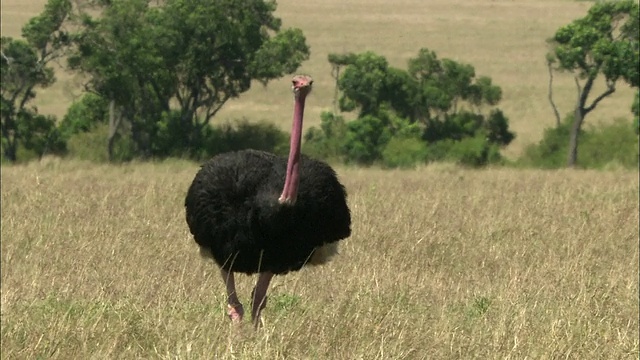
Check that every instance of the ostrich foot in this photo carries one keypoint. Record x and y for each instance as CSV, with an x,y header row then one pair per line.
x,y
235,312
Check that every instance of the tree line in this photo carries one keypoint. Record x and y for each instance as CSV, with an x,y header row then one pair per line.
x,y
158,73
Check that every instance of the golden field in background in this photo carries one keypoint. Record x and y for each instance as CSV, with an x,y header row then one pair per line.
x,y
503,39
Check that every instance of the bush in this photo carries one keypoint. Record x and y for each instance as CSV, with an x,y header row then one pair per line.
x,y
177,138
41,136
551,152
85,127
610,144
497,128
598,146
456,127
92,146
439,150
404,152
366,138
440,102
464,124
173,141
471,151
84,114
174,138
475,151
245,135
326,142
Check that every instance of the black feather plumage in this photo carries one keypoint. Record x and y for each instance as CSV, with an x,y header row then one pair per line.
x,y
233,212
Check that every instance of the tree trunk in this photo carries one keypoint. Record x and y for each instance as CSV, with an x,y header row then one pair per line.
x,y
581,111
578,118
573,136
335,73
10,152
114,124
9,143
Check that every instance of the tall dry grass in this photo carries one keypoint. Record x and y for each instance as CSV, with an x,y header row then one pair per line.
x,y
503,39
444,263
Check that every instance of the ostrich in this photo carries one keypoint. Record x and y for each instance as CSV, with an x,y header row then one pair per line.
x,y
255,212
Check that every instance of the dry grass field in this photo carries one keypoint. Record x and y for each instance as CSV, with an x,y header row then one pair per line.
x,y
503,39
443,263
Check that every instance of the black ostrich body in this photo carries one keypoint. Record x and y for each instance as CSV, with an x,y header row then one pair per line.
x,y
234,214
237,217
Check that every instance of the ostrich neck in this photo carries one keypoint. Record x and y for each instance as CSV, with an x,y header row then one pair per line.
x,y
292,179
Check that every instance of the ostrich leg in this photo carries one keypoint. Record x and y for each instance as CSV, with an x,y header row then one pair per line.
x,y
234,307
259,296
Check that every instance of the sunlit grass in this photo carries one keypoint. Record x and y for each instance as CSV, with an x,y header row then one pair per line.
x,y
444,263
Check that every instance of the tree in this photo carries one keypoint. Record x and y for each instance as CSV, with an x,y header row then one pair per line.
x,y
603,43
363,83
444,85
83,115
338,61
24,67
434,100
175,66
444,96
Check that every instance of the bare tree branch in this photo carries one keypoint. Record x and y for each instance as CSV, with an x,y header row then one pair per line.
x,y
9,60
553,104
611,88
211,111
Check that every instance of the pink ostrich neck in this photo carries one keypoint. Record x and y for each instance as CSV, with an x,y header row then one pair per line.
x,y
292,179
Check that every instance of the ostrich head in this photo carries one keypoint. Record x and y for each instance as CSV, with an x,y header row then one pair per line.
x,y
301,85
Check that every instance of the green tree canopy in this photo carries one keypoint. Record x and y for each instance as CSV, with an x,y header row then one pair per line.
x,y
24,67
363,82
431,101
195,54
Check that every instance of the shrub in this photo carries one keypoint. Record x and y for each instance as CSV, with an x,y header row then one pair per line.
x,y
366,138
551,151
177,138
599,146
84,114
326,142
404,152
497,128
41,136
245,135
611,144
464,124
92,146
439,150
474,151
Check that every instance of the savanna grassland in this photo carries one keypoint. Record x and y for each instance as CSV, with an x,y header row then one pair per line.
x,y
503,39
443,263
